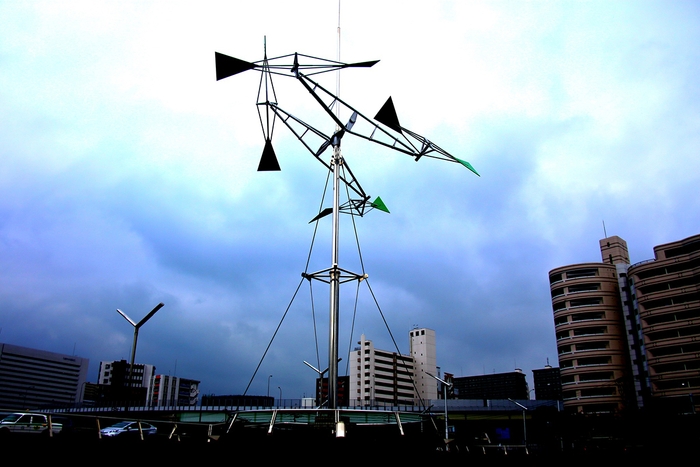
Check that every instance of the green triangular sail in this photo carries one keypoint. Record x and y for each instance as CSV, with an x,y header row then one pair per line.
x,y
468,165
379,204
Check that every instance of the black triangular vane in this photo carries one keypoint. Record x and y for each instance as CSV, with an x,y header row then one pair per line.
x,y
361,64
268,161
322,214
387,116
228,66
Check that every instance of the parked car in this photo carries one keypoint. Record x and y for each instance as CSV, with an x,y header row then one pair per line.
x,y
128,429
29,423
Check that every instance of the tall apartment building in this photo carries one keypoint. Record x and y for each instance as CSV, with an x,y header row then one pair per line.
x,y
170,391
638,344
379,376
667,298
591,334
32,378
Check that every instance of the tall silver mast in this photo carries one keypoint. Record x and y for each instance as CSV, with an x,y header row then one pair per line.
x,y
334,285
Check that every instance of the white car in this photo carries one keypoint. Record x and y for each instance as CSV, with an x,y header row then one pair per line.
x,y
33,423
128,430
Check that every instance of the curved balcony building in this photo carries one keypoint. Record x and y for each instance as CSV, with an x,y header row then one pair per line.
x,y
591,336
667,291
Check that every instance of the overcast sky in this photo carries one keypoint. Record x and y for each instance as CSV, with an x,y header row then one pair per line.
x,y
128,175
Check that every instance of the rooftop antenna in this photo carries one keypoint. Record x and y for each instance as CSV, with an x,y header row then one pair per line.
x,y
605,232
384,129
337,73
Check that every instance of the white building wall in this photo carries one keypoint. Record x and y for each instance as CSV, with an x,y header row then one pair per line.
x,y
31,377
172,391
422,345
141,376
380,376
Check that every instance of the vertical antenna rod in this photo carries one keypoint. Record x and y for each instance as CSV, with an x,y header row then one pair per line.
x,y
337,73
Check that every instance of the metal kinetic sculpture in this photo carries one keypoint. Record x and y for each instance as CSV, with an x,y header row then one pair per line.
x,y
384,129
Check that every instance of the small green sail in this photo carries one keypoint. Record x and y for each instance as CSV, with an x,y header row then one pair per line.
x,y
468,165
379,204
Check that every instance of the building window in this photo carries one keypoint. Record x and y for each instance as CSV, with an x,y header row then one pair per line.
x,y
587,316
579,273
598,376
557,292
583,288
586,302
564,349
561,320
590,331
591,346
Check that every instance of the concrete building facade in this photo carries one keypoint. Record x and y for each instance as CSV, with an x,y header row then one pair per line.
x,y
547,383
341,391
422,349
171,391
386,377
115,386
511,385
590,332
116,373
667,297
627,335
380,377
32,378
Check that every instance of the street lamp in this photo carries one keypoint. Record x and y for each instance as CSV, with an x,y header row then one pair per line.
x,y
268,385
320,377
280,394
137,326
524,425
445,386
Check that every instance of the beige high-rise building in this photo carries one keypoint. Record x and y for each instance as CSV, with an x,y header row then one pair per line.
x,y
590,332
629,335
667,292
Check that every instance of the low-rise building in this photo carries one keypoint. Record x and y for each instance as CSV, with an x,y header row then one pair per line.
x,y
171,391
511,385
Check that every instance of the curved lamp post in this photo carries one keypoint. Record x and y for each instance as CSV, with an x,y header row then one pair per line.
x,y
445,386
137,326
524,424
